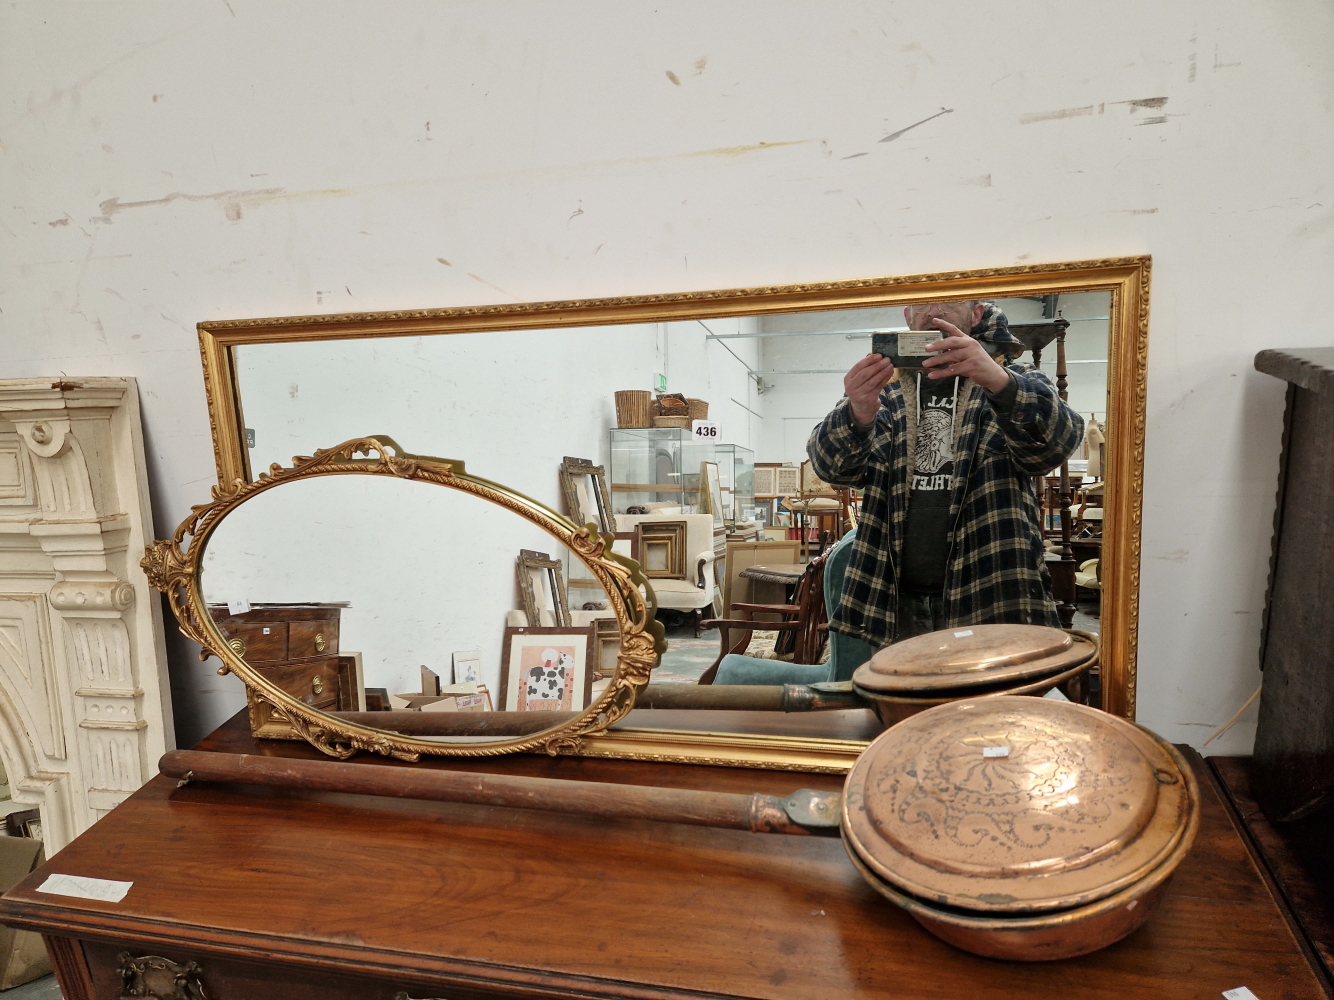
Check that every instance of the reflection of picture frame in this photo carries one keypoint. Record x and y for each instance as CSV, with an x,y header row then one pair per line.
x,y
532,563
787,481
588,502
662,548
26,823
711,494
626,543
468,666
764,479
547,669
608,646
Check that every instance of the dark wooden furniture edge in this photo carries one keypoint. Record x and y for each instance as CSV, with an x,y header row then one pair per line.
x,y
1272,882
1310,367
67,961
412,970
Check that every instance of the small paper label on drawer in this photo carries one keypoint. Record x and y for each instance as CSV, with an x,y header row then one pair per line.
x,y
995,751
238,607
85,887
1240,993
960,635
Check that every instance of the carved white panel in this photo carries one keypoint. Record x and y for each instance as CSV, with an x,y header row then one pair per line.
x,y
16,486
63,483
100,649
84,708
27,670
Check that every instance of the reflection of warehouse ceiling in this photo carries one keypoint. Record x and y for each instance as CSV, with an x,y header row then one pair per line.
x,y
801,344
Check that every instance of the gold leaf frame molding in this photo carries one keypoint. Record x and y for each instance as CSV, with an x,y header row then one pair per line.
x,y
173,566
1125,278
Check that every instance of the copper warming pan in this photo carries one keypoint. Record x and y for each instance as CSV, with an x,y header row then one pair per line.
x,y
978,661
1012,827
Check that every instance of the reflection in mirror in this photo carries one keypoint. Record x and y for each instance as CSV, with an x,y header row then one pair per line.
x,y
518,404
409,607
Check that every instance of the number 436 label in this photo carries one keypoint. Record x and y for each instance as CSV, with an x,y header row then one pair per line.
x,y
703,430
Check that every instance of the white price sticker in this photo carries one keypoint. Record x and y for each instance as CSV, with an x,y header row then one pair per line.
x,y
85,888
995,751
238,607
960,635
1240,993
703,430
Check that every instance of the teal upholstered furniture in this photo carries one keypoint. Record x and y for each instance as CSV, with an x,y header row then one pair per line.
x,y
846,654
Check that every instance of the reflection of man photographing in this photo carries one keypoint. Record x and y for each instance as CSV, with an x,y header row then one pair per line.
x,y
950,531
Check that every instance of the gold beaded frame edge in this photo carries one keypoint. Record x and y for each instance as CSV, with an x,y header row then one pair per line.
x,y
1126,278
173,566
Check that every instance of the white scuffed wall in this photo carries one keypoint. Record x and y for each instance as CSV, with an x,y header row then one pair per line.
x,y
165,163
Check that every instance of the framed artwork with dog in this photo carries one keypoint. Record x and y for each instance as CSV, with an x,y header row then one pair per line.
x,y
547,669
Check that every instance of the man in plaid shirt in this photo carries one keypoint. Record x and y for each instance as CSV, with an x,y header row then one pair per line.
x,y
950,532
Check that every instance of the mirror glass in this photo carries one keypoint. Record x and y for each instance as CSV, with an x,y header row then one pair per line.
x,y
379,595
515,404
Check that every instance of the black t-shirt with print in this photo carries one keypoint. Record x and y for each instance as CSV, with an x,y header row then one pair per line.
x,y
926,545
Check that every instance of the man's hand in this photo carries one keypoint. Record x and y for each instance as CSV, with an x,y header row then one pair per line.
x,y
960,354
863,383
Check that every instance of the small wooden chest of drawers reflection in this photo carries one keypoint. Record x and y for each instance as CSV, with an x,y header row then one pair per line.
x,y
295,646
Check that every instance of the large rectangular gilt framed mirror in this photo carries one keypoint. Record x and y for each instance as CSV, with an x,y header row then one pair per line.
x,y
514,390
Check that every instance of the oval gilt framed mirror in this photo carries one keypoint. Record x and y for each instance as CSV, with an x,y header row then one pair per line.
x,y
328,585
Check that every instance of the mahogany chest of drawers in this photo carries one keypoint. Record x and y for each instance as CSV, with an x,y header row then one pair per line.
x,y
296,647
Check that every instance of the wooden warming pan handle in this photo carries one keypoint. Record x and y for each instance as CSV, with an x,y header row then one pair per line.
x,y
802,812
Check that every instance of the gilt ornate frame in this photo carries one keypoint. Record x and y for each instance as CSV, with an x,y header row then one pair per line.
x,y
174,567
1126,278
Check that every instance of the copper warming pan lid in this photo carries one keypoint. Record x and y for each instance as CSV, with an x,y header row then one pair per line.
x,y
975,656
1012,805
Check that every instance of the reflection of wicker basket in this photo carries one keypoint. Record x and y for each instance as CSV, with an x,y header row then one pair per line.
x,y
672,404
699,408
671,421
632,408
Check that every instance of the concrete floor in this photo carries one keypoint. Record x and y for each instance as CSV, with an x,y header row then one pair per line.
x,y
39,989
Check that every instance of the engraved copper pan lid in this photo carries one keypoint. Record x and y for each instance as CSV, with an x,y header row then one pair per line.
x,y
1014,805
972,657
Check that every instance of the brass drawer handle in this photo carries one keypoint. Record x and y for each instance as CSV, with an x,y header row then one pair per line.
x,y
238,647
319,642
317,684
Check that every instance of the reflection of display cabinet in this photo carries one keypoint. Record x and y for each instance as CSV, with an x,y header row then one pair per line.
x,y
295,646
656,465
736,475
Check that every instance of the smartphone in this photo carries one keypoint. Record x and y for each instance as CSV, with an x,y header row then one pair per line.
x,y
906,350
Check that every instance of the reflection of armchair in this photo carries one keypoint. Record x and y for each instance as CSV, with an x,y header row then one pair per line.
x,y
696,591
1089,574
846,654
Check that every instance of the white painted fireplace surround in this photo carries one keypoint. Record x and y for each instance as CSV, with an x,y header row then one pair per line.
x,y
84,698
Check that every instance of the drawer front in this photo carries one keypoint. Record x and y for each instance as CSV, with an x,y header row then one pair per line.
x,y
166,971
261,643
315,682
311,639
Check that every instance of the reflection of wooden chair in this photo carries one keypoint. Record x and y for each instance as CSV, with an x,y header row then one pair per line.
x,y
803,623
743,555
